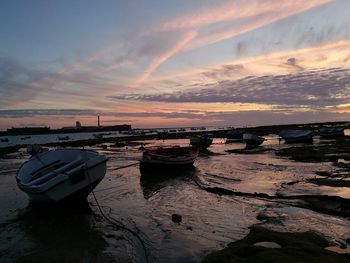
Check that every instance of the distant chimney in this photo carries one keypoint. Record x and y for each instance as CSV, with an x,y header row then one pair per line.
x,y
98,121
77,125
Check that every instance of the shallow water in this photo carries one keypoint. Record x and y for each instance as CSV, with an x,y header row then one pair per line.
x,y
209,221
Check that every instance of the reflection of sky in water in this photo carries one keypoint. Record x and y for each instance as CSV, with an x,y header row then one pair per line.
x,y
209,221
347,132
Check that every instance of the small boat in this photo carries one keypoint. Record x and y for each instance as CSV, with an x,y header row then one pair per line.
x,y
235,135
63,138
252,140
331,132
4,139
202,142
165,158
295,136
25,138
62,174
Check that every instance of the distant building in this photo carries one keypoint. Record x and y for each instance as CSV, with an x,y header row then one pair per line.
x,y
124,127
77,125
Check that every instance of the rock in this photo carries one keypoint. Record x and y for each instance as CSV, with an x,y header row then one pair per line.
x,y
176,218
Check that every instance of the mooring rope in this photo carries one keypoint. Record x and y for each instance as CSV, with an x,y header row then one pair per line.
x,y
115,222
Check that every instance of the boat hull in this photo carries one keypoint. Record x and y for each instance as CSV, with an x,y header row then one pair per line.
x,y
330,133
168,159
252,140
201,143
308,139
61,185
297,136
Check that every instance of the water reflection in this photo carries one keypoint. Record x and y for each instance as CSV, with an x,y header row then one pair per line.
x,y
59,233
152,182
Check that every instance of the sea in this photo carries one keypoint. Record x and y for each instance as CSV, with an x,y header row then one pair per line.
x,y
99,231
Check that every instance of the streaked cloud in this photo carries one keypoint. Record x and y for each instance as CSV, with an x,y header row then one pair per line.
x,y
235,10
161,59
317,88
221,22
21,113
203,62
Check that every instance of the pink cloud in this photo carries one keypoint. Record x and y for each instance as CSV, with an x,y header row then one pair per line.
x,y
162,58
238,10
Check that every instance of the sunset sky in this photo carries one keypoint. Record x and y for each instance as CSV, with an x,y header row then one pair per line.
x,y
174,63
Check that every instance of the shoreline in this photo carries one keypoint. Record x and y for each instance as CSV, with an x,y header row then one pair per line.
x,y
218,133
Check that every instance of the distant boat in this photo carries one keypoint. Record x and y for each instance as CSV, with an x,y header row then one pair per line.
x,y
202,142
235,135
25,138
4,139
331,132
295,136
62,174
164,158
252,139
63,138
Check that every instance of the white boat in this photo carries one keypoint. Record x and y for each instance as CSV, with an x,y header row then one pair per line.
x,y
164,158
252,139
296,136
62,174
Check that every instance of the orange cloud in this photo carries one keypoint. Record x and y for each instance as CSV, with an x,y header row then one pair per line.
x,y
327,55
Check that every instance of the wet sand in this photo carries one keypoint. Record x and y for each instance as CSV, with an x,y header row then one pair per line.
x,y
224,198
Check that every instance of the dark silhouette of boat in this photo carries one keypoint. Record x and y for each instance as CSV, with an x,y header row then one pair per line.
x,y
252,140
202,142
167,158
331,132
297,136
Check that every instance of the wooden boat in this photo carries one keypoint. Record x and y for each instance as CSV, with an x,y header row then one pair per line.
x,y
165,158
62,174
202,142
296,136
252,140
331,132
